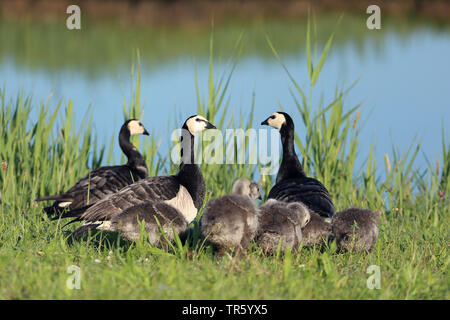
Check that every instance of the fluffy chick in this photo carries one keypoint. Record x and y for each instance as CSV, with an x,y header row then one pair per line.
x,y
128,223
355,229
231,222
281,221
316,231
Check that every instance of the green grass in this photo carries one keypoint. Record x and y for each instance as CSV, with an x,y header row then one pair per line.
x,y
48,154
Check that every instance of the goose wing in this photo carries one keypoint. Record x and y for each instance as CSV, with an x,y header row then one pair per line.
x,y
308,191
150,189
91,188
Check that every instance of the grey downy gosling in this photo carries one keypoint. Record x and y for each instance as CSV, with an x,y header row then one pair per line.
x,y
185,191
231,222
103,181
316,232
157,217
355,229
281,221
292,184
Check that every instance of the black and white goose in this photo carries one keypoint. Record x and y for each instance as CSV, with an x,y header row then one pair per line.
x,y
231,222
281,223
104,180
355,229
292,184
184,191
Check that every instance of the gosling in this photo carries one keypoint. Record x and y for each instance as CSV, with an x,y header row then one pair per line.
x,y
316,232
231,222
355,229
281,223
154,217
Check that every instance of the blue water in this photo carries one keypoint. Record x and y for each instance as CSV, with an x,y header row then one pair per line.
x,y
404,88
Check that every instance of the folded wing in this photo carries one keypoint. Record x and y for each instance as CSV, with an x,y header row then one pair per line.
x,y
150,189
306,190
93,187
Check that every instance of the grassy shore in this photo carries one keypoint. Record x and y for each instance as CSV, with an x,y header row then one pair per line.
x,y
49,153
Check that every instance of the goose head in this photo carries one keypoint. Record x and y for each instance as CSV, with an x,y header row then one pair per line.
x,y
302,212
278,120
195,124
245,187
135,127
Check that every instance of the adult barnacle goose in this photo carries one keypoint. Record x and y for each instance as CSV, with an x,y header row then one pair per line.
x,y
105,180
355,229
184,191
231,221
292,185
281,222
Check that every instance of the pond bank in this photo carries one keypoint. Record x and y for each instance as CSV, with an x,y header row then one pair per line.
x,y
200,12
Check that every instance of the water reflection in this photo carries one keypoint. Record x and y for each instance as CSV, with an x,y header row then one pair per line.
x,y
404,72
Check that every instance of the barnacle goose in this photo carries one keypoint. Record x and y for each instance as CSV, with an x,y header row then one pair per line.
x,y
231,221
105,180
281,222
292,185
355,229
184,191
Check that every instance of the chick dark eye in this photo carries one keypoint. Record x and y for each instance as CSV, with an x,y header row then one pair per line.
x,y
272,117
198,120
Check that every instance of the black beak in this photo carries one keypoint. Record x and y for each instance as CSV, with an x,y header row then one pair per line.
x,y
259,198
146,132
265,122
210,126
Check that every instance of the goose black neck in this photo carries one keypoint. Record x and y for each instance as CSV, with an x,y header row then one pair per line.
x,y
187,148
290,167
135,159
189,174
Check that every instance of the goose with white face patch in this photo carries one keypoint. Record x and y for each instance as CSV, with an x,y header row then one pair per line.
x,y
184,191
281,223
355,229
103,181
230,222
292,184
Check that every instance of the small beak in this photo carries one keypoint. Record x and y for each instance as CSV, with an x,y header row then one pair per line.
x,y
265,122
210,126
146,132
259,198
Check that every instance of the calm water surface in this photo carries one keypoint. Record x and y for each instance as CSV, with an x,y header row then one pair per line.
x,y
404,75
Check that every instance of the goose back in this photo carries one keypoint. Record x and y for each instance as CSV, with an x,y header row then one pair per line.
x,y
306,190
